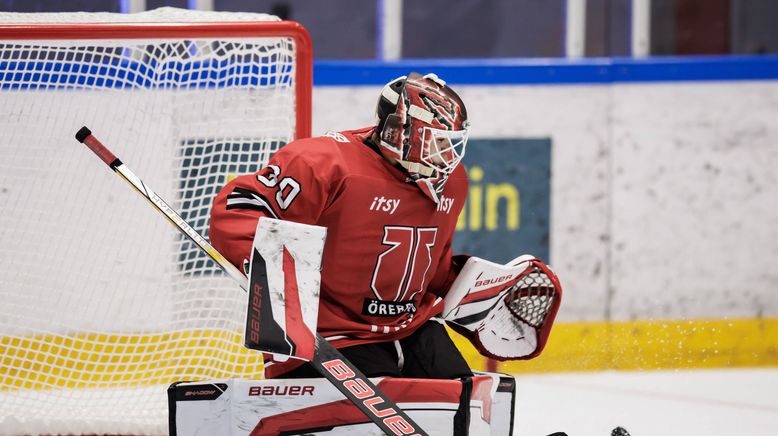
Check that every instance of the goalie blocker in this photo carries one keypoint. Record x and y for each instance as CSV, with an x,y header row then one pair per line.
x,y
236,407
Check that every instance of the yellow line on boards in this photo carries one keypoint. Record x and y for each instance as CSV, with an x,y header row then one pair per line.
x,y
647,345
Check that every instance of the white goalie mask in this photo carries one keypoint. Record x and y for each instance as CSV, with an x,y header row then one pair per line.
x,y
422,123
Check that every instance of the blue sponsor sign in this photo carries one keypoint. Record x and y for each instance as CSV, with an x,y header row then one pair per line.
x,y
509,201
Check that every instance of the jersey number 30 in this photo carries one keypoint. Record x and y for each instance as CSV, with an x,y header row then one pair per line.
x,y
288,188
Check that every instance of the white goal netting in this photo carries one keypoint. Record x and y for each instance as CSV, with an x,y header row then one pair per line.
x,y
103,303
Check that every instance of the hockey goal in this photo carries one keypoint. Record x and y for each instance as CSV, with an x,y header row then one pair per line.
x,y
102,303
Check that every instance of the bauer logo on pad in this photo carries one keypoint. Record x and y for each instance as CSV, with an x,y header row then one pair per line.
x,y
284,280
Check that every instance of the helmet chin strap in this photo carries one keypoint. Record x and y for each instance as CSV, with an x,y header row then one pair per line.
x,y
416,168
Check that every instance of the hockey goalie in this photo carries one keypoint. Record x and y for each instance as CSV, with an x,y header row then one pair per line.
x,y
388,197
505,310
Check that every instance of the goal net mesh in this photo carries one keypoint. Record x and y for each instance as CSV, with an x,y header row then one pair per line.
x,y
104,303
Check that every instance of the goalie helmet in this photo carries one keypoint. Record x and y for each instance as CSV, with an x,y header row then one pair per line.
x,y
422,123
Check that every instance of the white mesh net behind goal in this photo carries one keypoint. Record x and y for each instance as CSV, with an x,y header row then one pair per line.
x,y
103,303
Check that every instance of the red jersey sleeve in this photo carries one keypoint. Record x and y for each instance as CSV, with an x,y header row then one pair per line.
x,y
290,187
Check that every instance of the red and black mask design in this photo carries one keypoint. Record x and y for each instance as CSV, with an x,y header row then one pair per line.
x,y
423,125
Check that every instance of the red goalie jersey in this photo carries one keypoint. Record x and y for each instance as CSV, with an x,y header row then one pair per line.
x,y
387,259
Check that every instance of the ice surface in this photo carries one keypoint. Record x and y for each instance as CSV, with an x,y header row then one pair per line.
x,y
721,402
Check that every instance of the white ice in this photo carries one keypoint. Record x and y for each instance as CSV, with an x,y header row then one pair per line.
x,y
720,402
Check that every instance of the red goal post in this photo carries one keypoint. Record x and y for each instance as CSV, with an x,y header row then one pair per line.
x,y
94,323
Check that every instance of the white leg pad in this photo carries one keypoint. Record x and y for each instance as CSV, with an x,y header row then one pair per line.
x,y
235,407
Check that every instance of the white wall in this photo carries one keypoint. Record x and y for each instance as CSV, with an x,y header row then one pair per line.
x,y
664,195
664,198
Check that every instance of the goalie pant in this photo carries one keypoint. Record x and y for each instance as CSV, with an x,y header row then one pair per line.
x,y
428,353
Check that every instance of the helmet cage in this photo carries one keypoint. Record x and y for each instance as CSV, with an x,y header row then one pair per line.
x,y
442,150
422,123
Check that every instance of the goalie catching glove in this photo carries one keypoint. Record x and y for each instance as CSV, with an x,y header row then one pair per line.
x,y
506,311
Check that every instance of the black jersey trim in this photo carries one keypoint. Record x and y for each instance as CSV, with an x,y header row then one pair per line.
x,y
241,198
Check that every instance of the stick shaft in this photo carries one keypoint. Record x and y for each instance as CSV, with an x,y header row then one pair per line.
x,y
327,359
181,224
85,136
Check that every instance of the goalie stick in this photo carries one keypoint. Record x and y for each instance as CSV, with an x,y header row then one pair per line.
x,y
327,360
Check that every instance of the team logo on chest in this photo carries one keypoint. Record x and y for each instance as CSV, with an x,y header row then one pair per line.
x,y
383,204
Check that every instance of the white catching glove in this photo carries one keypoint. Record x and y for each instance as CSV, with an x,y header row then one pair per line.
x,y
506,311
